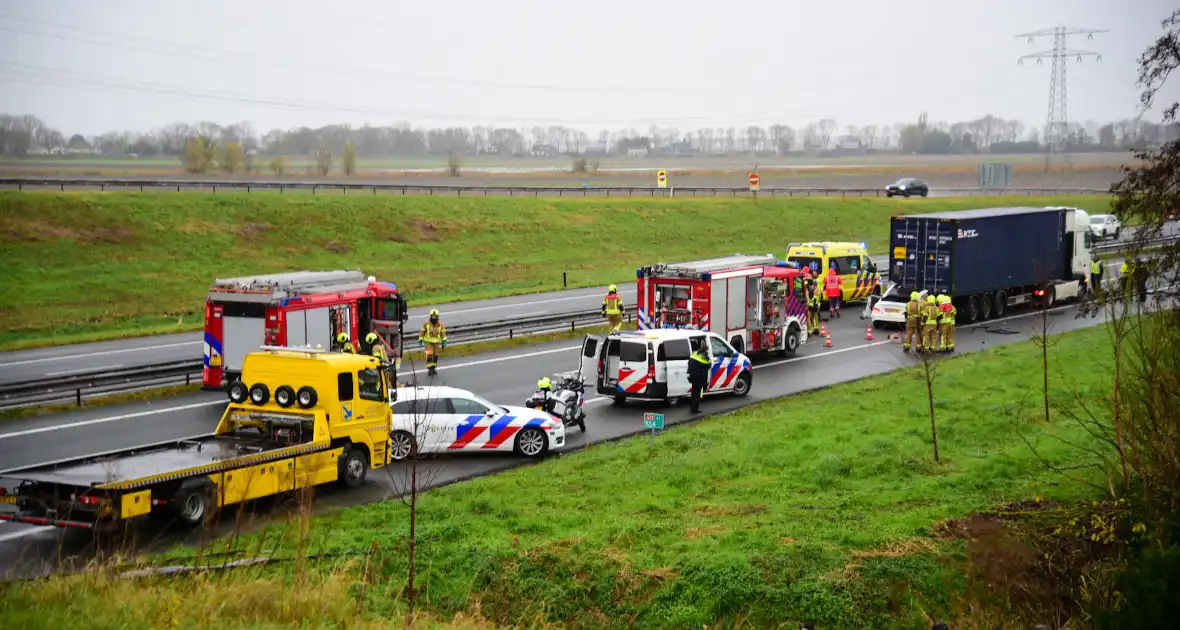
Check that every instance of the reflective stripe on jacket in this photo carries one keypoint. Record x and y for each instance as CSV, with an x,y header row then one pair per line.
x,y
613,304
913,310
930,316
436,333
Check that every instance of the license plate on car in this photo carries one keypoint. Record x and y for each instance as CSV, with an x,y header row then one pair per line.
x,y
9,500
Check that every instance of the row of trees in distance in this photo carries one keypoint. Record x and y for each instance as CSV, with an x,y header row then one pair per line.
x,y
28,135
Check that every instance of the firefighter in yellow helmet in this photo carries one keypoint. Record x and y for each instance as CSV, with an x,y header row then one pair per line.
x,y
946,324
344,343
913,313
433,337
612,308
929,325
376,348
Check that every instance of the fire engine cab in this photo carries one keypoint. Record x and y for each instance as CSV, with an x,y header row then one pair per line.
x,y
755,302
303,308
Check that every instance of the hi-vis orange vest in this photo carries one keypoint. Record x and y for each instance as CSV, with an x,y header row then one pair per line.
x,y
832,284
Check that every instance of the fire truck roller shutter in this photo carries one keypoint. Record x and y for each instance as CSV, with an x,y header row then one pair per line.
x,y
717,295
318,327
735,316
241,336
296,328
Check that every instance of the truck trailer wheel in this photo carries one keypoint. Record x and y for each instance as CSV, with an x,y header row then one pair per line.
x,y
972,310
1001,304
354,466
985,306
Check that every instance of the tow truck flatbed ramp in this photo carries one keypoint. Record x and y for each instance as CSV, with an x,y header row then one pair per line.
x,y
181,459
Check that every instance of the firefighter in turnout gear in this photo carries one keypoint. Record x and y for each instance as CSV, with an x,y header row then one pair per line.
x,y
376,348
929,325
913,316
698,374
813,305
345,344
946,324
433,337
612,308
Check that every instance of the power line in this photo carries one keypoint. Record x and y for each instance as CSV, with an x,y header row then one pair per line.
x,y
1057,119
185,50
25,73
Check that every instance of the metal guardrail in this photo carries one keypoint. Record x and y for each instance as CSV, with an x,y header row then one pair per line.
x,y
82,386
85,385
195,185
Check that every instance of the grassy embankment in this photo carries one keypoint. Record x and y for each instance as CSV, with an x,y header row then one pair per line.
x,y
825,506
89,266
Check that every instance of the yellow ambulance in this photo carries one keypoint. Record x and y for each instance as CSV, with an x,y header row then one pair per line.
x,y
851,260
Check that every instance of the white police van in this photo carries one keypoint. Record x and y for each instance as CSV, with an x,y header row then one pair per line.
x,y
653,364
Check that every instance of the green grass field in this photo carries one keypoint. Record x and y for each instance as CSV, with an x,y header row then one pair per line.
x,y
824,506
85,266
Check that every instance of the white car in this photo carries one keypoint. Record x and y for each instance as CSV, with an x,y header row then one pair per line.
x,y
889,308
1104,226
448,419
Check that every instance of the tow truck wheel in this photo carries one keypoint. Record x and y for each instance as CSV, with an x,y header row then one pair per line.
x,y
353,467
193,505
741,386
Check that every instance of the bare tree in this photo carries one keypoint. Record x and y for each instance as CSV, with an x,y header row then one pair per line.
x,y
349,161
826,127
323,161
416,472
929,373
454,164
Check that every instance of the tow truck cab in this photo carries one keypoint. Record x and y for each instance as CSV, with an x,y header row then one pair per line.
x,y
307,417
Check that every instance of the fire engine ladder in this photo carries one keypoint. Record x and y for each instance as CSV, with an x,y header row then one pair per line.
x,y
282,285
695,268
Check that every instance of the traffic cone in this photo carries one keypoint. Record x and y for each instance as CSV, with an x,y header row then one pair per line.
x,y
827,341
823,329
869,333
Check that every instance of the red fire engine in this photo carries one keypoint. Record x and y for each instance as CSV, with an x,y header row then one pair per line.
x,y
753,301
304,308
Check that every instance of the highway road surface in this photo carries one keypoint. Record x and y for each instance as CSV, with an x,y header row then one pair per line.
x,y
66,360
61,361
505,377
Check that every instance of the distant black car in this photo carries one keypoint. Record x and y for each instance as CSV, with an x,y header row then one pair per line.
x,y
907,187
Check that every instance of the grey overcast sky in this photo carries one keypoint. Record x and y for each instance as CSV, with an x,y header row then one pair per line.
x,y
102,65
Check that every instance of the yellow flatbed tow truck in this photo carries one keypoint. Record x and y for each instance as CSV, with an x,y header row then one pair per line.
x,y
298,418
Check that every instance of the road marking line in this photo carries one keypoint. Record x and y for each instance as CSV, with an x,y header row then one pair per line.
x,y
34,530
79,370
99,354
125,416
534,302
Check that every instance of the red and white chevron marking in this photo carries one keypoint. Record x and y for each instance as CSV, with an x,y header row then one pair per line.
x,y
632,381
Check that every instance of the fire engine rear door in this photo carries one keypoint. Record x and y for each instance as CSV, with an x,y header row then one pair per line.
x,y
242,332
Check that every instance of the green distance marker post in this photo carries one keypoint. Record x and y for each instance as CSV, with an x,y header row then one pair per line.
x,y
653,421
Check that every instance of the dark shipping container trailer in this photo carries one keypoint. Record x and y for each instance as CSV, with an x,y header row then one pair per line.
x,y
989,259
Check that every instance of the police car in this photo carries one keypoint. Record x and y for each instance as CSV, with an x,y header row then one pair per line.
x,y
888,309
437,419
